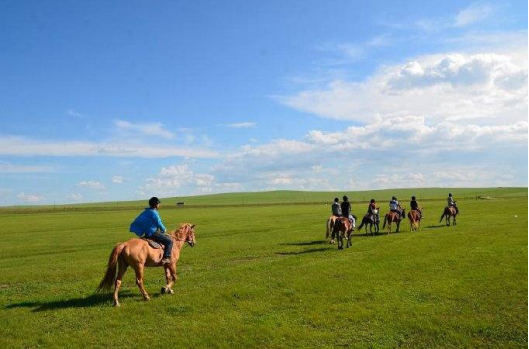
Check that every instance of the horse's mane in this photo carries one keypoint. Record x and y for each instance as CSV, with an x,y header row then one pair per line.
x,y
180,232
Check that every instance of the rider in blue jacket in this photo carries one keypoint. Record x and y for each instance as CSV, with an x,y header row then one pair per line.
x,y
149,224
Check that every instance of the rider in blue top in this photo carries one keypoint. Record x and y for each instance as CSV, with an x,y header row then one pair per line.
x,y
149,224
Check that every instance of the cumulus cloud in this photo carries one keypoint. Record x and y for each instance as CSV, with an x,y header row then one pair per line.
x,y
92,185
31,198
117,179
438,87
150,129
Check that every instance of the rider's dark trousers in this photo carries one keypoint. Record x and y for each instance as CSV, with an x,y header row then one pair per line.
x,y
166,240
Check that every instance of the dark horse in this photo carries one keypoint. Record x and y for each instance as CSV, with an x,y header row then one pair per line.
x,y
447,213
393,217
373,222
342,228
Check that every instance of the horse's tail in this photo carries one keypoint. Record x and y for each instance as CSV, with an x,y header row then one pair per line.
x,y
330,226
110,275
385,220
361,225
443,215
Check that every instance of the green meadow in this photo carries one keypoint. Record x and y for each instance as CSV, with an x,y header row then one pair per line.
x,y
263,276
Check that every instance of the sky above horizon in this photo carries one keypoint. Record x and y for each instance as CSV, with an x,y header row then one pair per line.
x,y
127,100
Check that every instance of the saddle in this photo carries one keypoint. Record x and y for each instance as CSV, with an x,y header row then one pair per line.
x,y
153,244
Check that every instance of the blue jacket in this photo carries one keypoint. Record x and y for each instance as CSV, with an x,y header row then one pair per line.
x,y
147,223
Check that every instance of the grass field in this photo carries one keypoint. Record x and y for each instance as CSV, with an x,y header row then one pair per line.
x,y
263,276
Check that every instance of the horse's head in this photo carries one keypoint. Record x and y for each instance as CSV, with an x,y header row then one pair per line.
x,y
186,233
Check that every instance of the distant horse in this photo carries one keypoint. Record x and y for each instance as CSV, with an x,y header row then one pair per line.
x,y
415,220
342,228
372,221
330,225
447,213
138,254
393,217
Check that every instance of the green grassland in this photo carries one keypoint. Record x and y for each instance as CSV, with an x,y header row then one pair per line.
x,y
262,275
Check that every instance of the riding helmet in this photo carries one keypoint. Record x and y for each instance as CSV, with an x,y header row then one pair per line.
x,y
345,198
336,199
449,194
413,198
393,198
154,201
372,200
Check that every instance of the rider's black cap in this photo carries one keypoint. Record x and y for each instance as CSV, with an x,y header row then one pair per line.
x,y
372,200
154,201
393,198
345,198
336,199
413,197
449,194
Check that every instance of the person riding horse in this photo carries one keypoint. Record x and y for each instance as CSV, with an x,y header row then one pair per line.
x,y
149,224
414,205
336,209
347,210
394,206
373,210
452,203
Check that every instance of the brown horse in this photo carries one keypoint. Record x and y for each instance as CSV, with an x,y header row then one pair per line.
x,y
342,228
415,220
138,254
393,217
447,213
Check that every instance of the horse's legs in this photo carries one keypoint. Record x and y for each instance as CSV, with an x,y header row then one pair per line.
x,y
122,268
139,281
455,223
398,226
170,276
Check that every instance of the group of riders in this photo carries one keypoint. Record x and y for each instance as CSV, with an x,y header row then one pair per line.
x,y
344,209
149,224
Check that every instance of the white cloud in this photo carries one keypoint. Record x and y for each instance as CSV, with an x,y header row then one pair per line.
x,y
6,167
92,185
32,198
117,179
241,125
75,196
150,129
22,146
74,113
474,13
439,87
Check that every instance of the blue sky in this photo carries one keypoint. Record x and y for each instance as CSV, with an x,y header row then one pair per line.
x,y
125,100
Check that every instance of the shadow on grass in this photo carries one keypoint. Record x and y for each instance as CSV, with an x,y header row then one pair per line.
x,y
84,302
310,243
312,250
435,226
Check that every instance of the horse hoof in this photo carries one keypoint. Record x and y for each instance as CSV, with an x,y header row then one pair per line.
x,y
170,291
163,290
117,305
146,299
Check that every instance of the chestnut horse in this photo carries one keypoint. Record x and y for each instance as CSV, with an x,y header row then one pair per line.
x,y
138,254
447,213
342,228
415,220
393,217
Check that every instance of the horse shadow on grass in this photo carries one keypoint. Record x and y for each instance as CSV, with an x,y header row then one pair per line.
x,y
312,250
309,243
435,226
93,300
